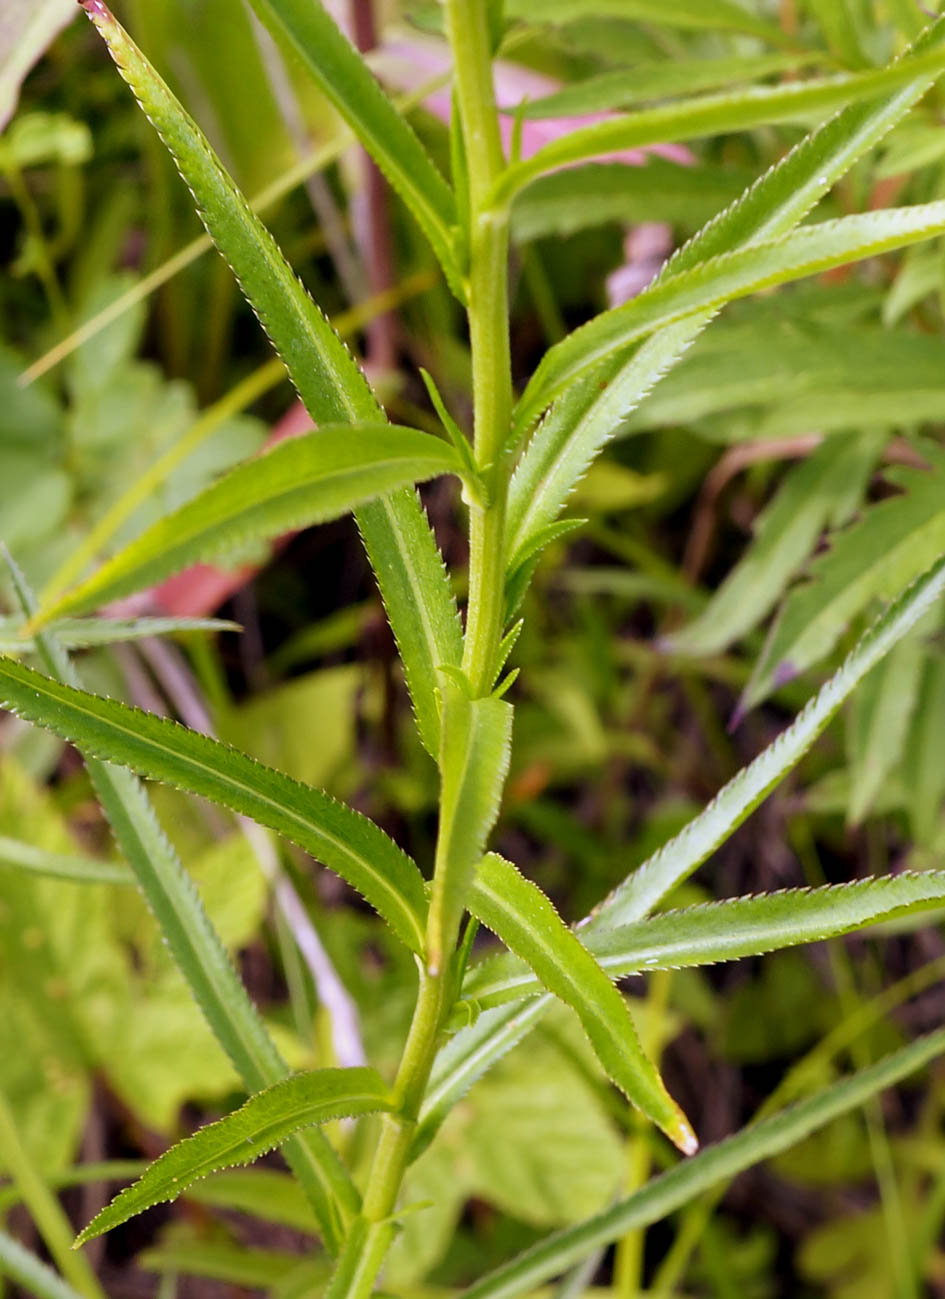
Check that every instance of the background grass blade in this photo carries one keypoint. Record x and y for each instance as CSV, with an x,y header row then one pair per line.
x,y
350,86
83,633
304,480
201,957
724,931
82,870
163,750
474,760
264,1122
26,1270
524,919
398,539
668,1192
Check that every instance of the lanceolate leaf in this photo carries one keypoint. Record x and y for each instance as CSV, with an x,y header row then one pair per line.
x,y
345,78
723,931
878,722
265,1121
398,539
303,480
711,284
714,15
201,957
712,114
678,858
560,451
163,750
524,919
474,759
893,541
472,1051
668,1192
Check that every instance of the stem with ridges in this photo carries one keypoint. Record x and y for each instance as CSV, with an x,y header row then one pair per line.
x,y
487,289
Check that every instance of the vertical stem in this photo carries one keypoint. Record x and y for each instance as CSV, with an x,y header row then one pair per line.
x,y
487,287
488,332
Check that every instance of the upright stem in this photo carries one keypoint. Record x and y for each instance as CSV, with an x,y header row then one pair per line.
x,y
488,332
487,286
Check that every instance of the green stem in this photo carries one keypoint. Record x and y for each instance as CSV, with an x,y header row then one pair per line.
x,y
487,286
488,334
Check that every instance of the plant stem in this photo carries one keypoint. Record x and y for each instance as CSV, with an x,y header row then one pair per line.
x,y
468,27
487,287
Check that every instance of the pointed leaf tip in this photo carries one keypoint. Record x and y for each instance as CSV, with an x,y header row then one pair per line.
x,y
96,9
684,1138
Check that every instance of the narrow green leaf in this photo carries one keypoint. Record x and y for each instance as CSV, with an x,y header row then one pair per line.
x,y
265,1121
885,549
524,919
713,114
344,77
625,87
668,1192
201,957
474,759
598,408
26,1270
163,750
723,279
721,931
304,480
923,769
397,537
81,633
83,870
786,533
678,858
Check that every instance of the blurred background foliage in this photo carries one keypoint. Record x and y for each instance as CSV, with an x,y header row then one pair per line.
x,y
788,476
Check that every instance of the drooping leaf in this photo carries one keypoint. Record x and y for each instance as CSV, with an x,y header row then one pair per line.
x,y
162,750
722,279
398,539
304,480
265,1121
739,110
719,1163
786,533
891,543
524,919
598,407
722,931
473,1050
344,77
474,758
199,954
